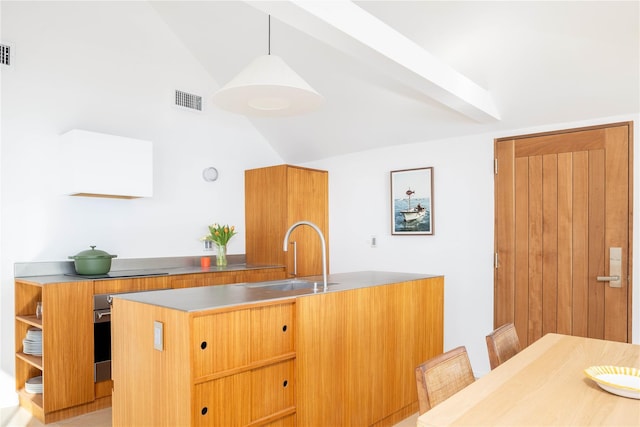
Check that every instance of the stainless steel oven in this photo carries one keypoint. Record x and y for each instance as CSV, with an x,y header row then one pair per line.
x,y
101,337
102,333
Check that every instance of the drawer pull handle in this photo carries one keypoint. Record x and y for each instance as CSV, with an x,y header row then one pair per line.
x,y
285,383
204,411
284,328
203,345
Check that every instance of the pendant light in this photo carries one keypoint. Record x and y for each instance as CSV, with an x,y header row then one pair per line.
x,y
268,87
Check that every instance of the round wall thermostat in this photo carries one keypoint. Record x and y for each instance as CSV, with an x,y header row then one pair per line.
x,y
210,174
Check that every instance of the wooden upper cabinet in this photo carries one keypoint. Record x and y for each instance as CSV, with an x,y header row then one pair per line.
x,y
276,197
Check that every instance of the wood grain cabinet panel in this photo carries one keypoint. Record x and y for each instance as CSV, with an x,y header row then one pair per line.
x,y
358,349
114,286
202,279
276,197
67,340
220,373
272,331
261,275
241,338
229,393
66,364
247,397
220,342
272,390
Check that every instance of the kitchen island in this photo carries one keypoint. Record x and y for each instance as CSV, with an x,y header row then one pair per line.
x,y
248,354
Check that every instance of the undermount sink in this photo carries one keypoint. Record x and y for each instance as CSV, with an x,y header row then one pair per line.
x,y
287,285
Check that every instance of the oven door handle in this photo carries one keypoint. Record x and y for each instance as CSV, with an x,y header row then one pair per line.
x,y
99,314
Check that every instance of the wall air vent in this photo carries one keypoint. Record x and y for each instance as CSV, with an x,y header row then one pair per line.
x,y
188,100
5,54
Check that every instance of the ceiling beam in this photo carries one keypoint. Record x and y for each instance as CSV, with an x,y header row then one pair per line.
x,y
348,28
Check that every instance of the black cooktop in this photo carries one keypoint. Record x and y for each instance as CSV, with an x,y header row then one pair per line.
x,y
118,274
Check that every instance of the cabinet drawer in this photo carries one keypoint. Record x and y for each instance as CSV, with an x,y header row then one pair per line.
x,y
272,331
220,342
272,389
262,275
243,398
202,279
113,286
241,338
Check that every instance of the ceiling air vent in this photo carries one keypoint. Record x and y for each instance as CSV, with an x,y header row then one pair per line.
x,y
5,54
188,100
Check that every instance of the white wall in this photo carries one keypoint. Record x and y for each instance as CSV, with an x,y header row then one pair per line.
x,y
461,248
80,71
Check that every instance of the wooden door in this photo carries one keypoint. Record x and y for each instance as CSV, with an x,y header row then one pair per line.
x,y
562,200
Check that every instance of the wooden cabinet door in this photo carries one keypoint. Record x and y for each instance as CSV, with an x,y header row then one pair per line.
x,y
562,200
67,333
241,338
266,218
222,402
272,331
308,201
275,198
246,397
272,390
219,342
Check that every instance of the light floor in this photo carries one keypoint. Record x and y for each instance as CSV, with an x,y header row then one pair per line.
x,y
19,417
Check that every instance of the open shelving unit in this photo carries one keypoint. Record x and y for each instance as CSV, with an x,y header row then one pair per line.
x,y
28,365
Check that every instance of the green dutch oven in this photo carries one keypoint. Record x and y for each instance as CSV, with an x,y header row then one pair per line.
x,y
92,262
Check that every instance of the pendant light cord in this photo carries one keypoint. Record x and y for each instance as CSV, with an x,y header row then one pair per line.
x,y
269,50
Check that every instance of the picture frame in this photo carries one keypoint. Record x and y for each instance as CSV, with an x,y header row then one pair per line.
x,y
412,201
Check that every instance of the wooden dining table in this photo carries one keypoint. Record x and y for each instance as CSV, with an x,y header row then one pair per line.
x,y
544,384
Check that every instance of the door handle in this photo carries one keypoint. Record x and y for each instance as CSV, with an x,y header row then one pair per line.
x,y
608,278
615,269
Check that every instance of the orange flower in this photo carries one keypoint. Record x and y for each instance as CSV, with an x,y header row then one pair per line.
x,y
220,234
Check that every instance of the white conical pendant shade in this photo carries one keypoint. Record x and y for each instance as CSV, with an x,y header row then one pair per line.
x,y
268,87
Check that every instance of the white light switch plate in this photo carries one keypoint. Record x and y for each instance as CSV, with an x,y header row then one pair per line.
x,y
158,331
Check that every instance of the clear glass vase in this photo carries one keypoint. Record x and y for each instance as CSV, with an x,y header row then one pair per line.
x,y
221,255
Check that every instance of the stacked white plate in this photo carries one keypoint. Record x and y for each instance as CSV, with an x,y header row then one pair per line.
x,y
32,343
33,385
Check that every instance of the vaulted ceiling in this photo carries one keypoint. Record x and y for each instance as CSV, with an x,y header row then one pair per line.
x,y
397,72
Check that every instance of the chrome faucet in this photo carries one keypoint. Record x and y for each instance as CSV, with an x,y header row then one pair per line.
x,y
324,249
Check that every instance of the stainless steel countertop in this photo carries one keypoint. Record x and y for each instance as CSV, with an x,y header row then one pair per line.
x,y
159,271
212,297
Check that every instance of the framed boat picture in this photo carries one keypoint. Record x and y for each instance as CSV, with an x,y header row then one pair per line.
x,y
412,201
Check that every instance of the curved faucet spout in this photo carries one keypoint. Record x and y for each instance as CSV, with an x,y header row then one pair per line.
x,y
324,247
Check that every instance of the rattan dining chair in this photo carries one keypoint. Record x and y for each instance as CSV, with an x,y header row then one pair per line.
x,y
442,376
502,344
